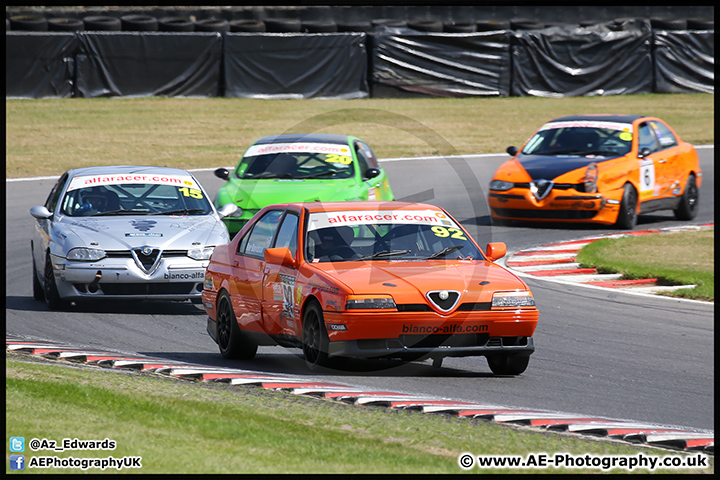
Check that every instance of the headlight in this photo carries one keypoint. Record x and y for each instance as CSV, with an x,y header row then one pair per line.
x,y
200,253
521,298
85,254
355,302
500,185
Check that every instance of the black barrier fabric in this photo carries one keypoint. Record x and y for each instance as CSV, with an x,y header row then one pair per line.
x,y
441,64
597,60
288,65
684,61
149,64
39,64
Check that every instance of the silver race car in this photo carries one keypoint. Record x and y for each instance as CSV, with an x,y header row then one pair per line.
x,y
124,232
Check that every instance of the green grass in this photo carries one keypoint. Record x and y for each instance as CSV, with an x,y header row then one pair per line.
x,y
178,426
683,258
48,136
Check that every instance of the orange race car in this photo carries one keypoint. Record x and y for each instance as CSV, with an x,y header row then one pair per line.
x,y
597,168
369,280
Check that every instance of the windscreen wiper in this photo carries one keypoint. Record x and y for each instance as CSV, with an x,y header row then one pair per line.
x,y
445,251
385,253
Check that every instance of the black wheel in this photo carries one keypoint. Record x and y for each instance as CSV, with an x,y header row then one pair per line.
x,y
627,217
283,25
314,338
38,292
247,26
176,24
52,297
102,23
232,342
29,23
139,23
319,26
65,25
212,25
688,208
508,364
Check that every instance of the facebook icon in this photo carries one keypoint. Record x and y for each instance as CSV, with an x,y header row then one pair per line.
x,y
17,462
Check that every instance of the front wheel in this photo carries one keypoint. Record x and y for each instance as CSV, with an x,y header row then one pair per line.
x,y
504,364
627,217
688,207
314,337
38,292
232,342
52,297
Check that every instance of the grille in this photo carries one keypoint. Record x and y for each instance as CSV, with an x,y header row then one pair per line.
x,y
546,214
179,288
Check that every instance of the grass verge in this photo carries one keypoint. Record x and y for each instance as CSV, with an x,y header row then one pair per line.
x,y
683,258
48,136
181,427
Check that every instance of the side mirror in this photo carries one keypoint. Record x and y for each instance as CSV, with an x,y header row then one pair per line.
x,y
40,212
280,256
496,250
644,152
223,173
372,172
512,150
229,210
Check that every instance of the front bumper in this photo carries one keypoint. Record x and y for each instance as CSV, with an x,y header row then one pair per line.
x,y
566,205
175,278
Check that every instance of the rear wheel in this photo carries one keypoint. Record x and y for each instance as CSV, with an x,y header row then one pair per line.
x,y
232,342
627,217
688,208
505,364
314,338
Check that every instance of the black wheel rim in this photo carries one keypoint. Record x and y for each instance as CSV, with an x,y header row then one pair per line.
x,y
224,326
49,278
312,338
631,207
692,198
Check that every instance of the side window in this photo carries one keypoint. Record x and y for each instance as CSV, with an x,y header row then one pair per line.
x,y
54,196
664,135
261,235
288,233
366,157
647,139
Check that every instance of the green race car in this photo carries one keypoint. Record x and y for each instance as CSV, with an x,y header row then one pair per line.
x,y
301,168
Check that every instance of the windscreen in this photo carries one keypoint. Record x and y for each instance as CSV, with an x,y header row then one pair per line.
x,y
386,235
134,194
296,161
583,138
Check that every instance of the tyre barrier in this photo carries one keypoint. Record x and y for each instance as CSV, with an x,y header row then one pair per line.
x,y
354,27
29,23
426,25
590,427
491,26
175,24
139,23
102,23
459,27
319,26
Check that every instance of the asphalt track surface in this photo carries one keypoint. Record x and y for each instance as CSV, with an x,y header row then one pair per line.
x,y
598,352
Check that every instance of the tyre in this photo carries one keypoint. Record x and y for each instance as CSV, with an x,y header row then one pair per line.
x,y
247,26
458,27
314,337
426,25
102,23
688,208
354,26
139,23
319,26
38,292
176,24
232,342
212,25
492,26
627,217
29,23
282,25
508,364
65,25
52,297
700,24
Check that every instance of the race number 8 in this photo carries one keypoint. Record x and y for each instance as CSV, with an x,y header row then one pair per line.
x,y
443,232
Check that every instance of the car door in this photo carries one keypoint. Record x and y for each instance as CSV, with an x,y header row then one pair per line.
x,y
671,162
248,270
278,305
653,166
43,227
377,187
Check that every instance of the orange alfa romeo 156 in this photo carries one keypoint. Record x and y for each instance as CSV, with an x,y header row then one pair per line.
x,y
367,280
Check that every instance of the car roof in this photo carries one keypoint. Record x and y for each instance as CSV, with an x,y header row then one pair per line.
x,y
126,169
607,117
363,206
305,137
